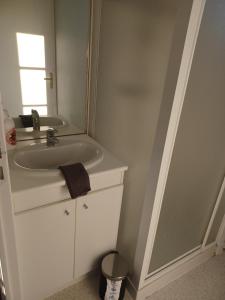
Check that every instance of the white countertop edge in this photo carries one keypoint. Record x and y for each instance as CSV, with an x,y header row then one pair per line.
x,y
62,182
21,179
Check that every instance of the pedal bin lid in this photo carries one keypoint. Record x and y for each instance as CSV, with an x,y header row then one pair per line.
x,y
114,267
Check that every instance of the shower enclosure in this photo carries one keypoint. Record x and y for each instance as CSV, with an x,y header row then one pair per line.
x,y
185,198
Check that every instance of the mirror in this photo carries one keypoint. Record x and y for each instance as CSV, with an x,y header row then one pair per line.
x,y
44,58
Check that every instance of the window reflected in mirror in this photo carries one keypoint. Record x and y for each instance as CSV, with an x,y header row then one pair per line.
x,y
31,53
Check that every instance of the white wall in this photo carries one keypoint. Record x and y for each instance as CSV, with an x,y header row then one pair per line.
x,y
135,48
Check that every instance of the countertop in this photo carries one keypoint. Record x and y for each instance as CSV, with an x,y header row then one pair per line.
x,y
33,188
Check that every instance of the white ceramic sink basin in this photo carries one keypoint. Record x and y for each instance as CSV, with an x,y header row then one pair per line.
x,y
39,157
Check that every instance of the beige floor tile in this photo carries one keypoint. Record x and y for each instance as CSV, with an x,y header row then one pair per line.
x,y
84,290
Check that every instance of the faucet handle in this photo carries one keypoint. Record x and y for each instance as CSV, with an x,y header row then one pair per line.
x,y
36,119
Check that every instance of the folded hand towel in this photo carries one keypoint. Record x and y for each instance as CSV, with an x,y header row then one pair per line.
x,y
77,179
26,120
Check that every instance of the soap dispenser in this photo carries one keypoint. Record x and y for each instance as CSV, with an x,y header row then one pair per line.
x,y
10,130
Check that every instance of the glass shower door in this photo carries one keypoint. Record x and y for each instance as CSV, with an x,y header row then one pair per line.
x,y
198,165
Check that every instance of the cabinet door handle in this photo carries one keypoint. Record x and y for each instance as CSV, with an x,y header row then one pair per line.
x,y
85,206
66,212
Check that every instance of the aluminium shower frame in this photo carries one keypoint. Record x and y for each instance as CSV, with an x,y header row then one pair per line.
x,y
142,283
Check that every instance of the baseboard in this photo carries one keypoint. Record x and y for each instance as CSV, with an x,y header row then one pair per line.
x,y
164,277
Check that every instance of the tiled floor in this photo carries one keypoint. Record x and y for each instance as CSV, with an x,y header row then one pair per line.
x,y
84,290
206,282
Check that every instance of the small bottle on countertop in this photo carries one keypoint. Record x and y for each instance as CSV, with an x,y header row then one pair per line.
x,y
10,130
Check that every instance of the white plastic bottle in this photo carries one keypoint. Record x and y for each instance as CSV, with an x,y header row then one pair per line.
x,y
10,130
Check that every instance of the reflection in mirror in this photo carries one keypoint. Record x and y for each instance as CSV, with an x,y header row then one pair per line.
x,y
44,54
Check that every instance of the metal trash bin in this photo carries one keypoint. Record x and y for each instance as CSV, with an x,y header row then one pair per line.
x,y
114,270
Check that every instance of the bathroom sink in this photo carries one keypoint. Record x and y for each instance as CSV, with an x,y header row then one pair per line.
x,y
39,157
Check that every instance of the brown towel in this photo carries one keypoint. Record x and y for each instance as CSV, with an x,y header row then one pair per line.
x,y
77,179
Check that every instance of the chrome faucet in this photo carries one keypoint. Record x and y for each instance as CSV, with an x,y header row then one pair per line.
x,y
35,119
51,138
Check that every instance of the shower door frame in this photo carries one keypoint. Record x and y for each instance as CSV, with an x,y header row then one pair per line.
x,y
142,260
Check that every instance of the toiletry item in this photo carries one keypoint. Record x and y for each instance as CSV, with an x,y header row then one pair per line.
x,y
10,130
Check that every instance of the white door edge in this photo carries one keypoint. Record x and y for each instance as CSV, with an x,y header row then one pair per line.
x,y
7,228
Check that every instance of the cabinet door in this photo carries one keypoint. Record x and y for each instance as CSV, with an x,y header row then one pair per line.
x,y
97,221
45,243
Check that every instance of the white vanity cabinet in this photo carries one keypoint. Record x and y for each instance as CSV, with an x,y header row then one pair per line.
x,y
97,221
45,246
59,240
59,243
